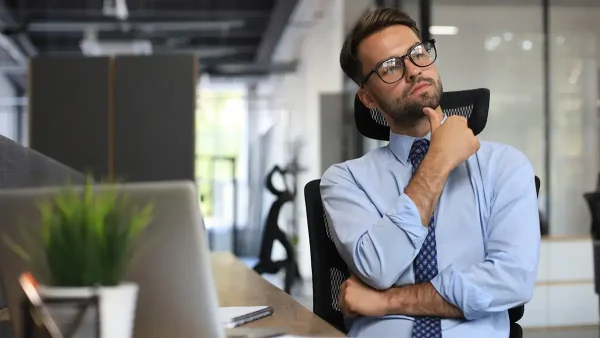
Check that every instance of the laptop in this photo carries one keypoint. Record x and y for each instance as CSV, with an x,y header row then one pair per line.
x,y
177,296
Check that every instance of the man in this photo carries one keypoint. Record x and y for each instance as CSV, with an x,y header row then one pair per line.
x,y
440,231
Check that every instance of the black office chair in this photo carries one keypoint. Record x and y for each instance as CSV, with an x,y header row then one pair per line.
x,y
329,270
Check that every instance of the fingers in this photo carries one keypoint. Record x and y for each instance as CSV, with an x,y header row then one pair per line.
x,y
460,118
342,297
342,301
435,120
344,307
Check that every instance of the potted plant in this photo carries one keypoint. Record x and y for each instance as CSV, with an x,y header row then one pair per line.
x,y
87,243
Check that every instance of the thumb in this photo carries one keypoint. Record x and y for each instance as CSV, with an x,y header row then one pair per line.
x,y
435,120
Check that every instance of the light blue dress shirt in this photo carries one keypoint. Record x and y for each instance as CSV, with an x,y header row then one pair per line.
x,y
487,234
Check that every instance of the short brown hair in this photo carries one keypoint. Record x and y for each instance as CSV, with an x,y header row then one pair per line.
x,y
370,24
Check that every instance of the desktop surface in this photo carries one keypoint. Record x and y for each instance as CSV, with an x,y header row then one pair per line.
x,y
237,285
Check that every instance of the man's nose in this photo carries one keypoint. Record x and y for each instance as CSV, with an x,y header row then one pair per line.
x,y
412,71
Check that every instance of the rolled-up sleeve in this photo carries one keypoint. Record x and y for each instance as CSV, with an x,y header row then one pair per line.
x,y
378,247
507,276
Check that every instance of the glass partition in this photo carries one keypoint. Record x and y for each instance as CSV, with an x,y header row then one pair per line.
x,y
574,91
497,46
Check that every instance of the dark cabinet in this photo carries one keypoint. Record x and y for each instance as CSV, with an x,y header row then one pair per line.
x,y
130,118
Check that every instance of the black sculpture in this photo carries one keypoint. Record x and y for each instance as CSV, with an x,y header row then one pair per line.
x,y
593,201
273,232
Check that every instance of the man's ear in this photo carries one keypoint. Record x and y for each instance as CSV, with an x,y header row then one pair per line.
x,y
366,98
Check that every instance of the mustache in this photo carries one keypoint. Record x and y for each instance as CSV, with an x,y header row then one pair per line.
x,y
418,81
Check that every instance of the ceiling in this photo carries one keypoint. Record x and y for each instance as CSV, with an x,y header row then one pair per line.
x,y
230,37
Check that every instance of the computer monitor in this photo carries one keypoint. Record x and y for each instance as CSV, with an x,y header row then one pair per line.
x,y
177,296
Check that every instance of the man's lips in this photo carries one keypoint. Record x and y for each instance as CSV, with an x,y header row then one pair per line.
x,y
419,86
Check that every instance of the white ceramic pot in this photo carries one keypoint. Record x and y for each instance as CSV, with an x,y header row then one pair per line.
x,y
117,309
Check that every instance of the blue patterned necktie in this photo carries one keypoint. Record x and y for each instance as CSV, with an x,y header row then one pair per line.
x,y
425,264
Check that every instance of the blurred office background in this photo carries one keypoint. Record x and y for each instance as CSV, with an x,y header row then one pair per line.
x,y
268,90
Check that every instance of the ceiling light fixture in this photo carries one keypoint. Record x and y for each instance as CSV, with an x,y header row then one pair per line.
x,y
443,30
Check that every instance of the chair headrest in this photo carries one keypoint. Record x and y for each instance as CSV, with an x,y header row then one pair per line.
x,y
472,104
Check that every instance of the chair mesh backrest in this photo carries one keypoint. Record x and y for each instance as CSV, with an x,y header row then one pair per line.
x,y
462,111
336,276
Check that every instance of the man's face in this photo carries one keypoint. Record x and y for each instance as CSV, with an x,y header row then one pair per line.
x,y
402,101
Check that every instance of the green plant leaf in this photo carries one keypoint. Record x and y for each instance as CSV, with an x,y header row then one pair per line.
x,y
87,237
20,251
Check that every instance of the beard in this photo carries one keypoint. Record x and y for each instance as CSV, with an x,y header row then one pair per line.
x,y
406,111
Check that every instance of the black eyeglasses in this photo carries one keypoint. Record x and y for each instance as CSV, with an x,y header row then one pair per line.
x,y
393,69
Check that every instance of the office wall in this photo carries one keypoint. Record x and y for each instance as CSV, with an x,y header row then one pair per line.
x,y
340,139
8,113
332,130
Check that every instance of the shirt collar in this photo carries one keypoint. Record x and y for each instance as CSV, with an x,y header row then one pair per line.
x,y
400,145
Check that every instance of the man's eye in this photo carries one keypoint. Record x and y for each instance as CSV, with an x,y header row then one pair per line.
x,y
390,70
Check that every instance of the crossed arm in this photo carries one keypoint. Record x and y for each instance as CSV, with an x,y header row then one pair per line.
x,y
357,298
380,250
421,300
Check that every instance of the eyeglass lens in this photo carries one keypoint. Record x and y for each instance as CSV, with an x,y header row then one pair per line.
x,y
393,70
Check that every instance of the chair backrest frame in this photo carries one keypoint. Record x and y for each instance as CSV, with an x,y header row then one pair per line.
x,y
472,104
328,267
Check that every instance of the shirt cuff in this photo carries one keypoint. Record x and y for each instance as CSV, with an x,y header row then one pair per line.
x,y
406,216
458,290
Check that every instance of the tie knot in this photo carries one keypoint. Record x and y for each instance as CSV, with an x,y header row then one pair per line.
x,y
417,152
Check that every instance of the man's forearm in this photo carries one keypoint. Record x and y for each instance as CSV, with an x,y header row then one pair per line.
x,y
426,186
419,300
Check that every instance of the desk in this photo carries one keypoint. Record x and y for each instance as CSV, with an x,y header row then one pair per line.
x,y
237,285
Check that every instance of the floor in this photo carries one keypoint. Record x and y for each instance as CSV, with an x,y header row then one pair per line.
x,y
566,333
302,292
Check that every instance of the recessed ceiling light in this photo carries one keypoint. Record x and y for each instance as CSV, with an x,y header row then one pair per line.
x,y
443,30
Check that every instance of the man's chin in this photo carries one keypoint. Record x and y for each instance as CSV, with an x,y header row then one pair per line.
x,y
429,102
418,105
